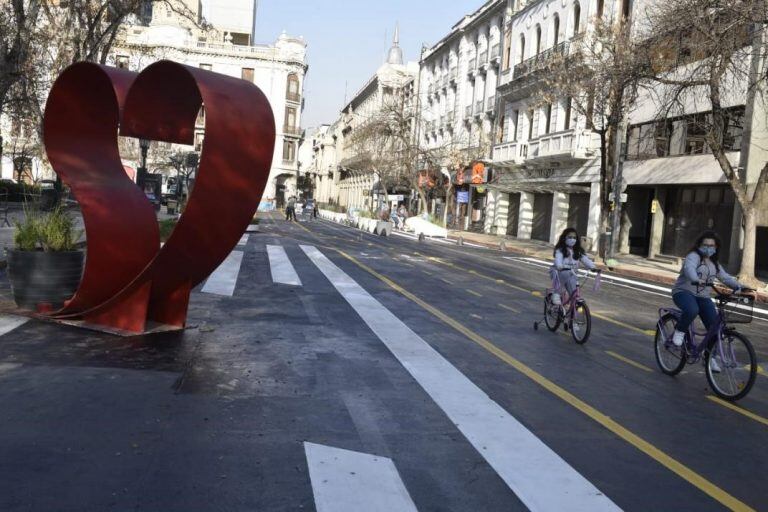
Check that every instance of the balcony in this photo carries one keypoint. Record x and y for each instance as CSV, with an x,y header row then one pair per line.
x,y
484,62
468,112
449,119
490,105
540,61
293,131
446,82
478,108
294,97
510,154
453,77
564,148
496,55
472,69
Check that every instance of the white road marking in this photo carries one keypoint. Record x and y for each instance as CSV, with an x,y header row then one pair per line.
x,y
224,278
536,474
281,267
347,481
243,241
9,323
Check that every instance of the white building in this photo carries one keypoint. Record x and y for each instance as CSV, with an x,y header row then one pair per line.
x,y
278,69
458,80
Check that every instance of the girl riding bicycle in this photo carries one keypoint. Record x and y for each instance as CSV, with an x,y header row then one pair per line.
x,y
692,292
568,255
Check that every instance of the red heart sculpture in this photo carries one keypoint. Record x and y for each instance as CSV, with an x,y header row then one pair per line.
x,y
129,282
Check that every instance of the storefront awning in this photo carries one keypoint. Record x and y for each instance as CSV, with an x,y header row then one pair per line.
x,y
541,188
677,170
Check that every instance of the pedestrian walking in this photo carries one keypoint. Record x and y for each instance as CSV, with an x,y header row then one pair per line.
x,y
290,209
314,210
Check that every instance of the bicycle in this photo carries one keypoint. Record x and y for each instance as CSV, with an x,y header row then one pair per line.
x,y
573,312
729,358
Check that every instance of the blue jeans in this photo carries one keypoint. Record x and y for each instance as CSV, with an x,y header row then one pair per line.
x,y
693,306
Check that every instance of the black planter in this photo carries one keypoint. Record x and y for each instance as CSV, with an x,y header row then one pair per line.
x,y
39,277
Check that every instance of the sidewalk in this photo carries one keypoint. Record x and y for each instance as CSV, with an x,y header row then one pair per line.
x,y
629,265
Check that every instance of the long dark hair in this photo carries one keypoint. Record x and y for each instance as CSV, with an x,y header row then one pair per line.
x,y
578,251
715,258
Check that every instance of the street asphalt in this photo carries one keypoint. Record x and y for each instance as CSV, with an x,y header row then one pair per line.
x,y
420,354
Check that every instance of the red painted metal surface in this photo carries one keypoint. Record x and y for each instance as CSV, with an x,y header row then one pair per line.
x,y
161,103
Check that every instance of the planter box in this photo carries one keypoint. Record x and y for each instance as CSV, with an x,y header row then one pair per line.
x,y
384,228
39,277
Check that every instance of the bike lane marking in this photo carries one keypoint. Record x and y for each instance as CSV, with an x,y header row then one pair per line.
x,y
520,458
347,481
604,420
738,409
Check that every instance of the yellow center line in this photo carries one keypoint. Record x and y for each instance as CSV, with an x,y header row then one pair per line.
x,y
739,410
607,422
474,293
629,361
508,308
602,316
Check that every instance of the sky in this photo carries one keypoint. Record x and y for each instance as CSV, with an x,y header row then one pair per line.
x,y
346,40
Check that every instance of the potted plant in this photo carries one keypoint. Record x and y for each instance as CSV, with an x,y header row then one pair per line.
x,y
45,265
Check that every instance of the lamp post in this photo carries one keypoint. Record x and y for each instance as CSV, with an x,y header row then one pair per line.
x,y
141,173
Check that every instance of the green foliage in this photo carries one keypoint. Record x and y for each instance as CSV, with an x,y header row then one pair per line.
x,y
166,227
51,232
438,221
365,214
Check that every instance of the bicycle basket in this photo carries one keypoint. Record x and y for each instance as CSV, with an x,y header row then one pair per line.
x,y
738,309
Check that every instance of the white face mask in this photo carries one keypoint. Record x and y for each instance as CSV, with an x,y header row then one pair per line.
x,y
571,242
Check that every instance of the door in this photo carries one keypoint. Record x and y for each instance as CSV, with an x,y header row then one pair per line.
x,y
761,255
513,215
542,216
578,212
638,210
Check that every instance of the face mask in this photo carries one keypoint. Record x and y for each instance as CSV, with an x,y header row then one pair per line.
x,y
708,251
570,242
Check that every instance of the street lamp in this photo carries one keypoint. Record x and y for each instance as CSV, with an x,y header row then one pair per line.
x,y
142,171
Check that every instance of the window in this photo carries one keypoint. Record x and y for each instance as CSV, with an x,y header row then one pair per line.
x,y
529,119
517,124
556,27
547,118
538,39
600,8
695,131
292,88
289,151
290,119
626,9
734,128
507,50
567,108
576,18
201,117
522,48
199,141
663,137
247,74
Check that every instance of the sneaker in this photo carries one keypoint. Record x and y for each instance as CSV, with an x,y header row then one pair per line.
x,y
556,299
678,338
713,365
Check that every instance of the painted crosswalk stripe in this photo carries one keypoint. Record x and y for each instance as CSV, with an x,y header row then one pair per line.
x,y
243,241
281,267
224,278
347,481
9,323
536,474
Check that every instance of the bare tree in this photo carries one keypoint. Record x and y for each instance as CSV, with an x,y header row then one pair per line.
x,y
705,50
597,72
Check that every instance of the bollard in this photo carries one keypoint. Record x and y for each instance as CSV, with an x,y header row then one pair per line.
x,y
422,237
460,241
502,246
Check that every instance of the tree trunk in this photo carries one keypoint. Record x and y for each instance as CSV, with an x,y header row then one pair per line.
x,y
747,272
626,226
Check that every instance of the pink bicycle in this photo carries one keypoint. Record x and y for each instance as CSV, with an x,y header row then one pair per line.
x,y
573,313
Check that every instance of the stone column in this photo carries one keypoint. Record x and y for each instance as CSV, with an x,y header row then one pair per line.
x,y
593,222
525,227
502,211
490,212
657,222
559,216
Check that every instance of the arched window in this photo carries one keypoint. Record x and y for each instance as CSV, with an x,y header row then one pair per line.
x,y
556,28
600,7
576,18
522,48
538,39
626,9
292,89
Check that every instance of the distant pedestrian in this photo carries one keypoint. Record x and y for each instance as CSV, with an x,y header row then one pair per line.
x,y
290,209
314,210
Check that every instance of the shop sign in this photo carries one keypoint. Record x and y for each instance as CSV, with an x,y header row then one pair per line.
x,y
462,196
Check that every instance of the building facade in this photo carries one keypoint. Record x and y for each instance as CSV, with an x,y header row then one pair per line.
x,y
278,69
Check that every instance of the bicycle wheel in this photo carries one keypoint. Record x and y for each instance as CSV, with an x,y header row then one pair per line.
x,y
581,323
735,358
551,314
671,359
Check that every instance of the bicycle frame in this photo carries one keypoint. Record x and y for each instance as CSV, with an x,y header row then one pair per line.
x,y
694,351
569,305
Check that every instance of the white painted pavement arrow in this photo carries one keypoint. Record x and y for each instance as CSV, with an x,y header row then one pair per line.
x,y
346,481
537,475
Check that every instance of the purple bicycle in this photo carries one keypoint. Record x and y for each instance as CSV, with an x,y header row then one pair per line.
x,y
729,359
573,313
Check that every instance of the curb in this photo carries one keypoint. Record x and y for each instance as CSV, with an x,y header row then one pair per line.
x,y
762,297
